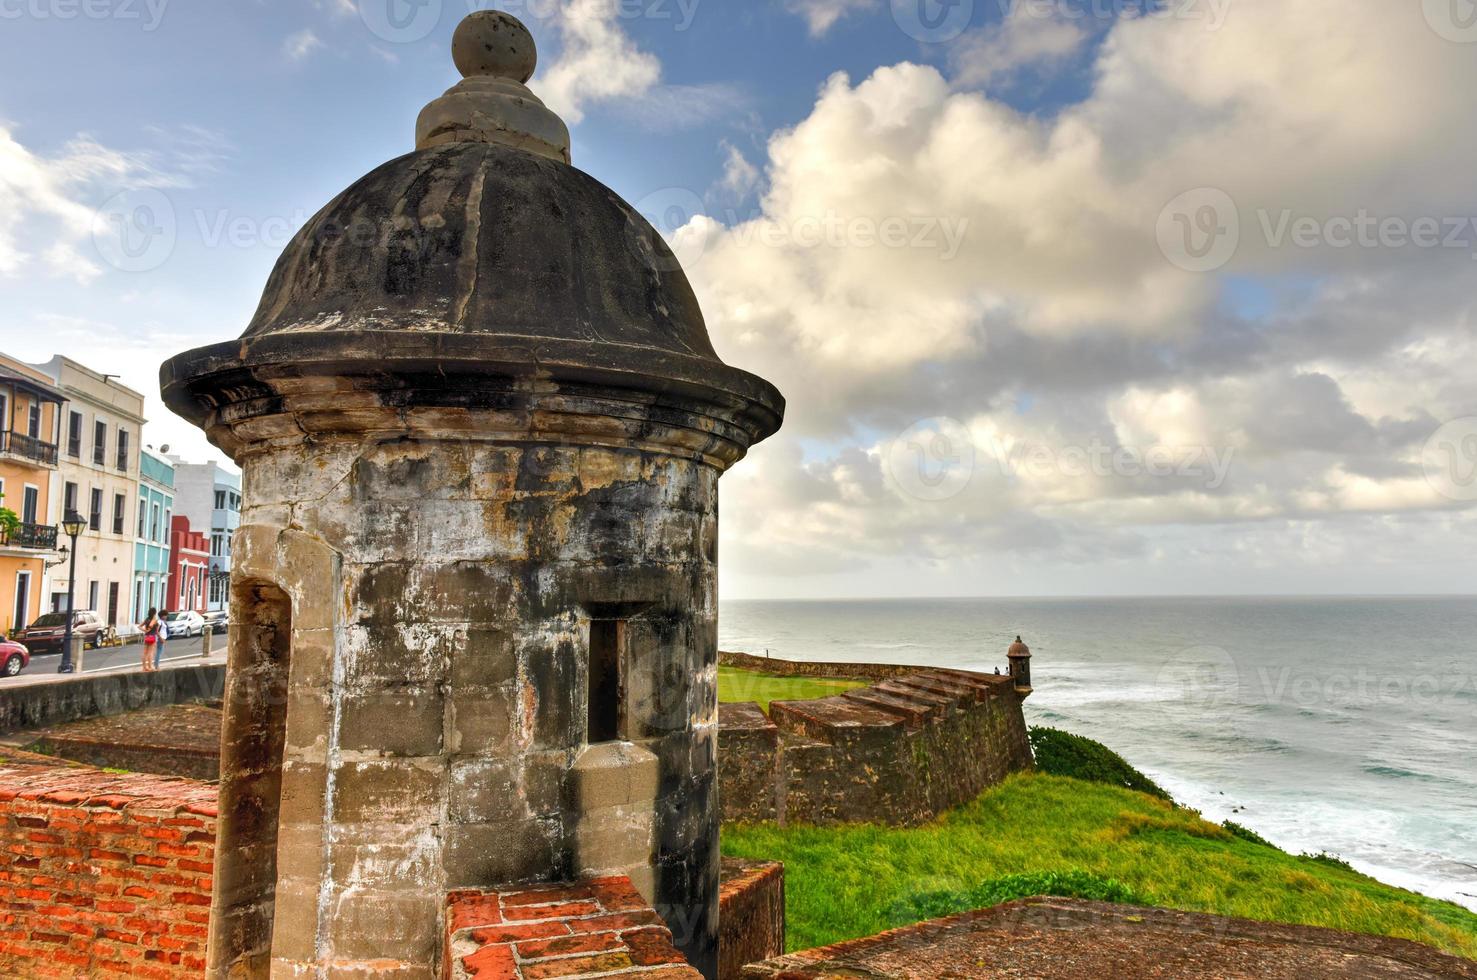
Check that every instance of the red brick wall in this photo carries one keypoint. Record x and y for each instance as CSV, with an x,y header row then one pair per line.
x,y
751,910
103,875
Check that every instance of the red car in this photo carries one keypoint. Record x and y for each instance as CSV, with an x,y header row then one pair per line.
x,y
14,658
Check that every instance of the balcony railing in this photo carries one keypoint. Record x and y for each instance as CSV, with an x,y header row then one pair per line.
x,y
38,536
20,444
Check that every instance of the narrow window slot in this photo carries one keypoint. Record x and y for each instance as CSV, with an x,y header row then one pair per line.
x,y
607,638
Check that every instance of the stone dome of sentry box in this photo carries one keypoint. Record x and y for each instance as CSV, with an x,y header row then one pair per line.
x,y
474,592
482,250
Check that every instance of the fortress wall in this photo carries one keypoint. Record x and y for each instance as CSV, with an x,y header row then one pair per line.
x,y
899,752
807,668
104,874
73,697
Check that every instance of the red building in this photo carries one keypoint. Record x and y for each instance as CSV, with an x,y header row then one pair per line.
x,y
189,567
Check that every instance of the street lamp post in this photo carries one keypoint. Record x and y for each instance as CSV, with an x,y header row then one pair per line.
x,y
72,523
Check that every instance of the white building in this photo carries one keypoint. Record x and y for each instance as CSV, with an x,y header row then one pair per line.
x,y
210,496
99,479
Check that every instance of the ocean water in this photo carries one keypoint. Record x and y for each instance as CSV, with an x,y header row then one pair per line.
x,y
1346,725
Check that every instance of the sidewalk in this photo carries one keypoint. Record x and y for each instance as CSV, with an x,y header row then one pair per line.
x,y
119,660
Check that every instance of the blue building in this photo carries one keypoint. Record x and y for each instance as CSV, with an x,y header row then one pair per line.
x,y
210,496
151,542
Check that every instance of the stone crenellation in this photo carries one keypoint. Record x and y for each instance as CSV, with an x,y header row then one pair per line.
x,y
901,751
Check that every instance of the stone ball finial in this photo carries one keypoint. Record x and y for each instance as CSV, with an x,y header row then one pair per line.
x,y
494,43
496,55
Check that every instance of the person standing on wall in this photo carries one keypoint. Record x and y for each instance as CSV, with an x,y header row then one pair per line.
x,y
151,628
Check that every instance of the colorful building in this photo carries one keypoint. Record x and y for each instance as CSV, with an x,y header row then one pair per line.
x,y
189,567
99,479
210,496
153,544
30,429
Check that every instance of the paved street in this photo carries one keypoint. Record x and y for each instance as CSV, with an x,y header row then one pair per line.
x,y
115,659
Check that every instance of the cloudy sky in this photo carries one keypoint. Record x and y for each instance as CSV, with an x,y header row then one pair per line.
x,y
1067,296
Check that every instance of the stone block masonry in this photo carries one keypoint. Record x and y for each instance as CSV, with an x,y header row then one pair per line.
x,y
104,875
596,928
899,752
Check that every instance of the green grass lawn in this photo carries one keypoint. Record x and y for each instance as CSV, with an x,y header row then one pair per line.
x,y
1039,832
746,685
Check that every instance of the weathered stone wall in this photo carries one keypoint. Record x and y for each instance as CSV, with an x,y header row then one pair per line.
x,y
595,928
103,874
899,752
437,706
55,702
752,915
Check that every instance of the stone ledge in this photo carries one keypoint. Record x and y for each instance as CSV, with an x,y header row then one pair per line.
x,y
601,927
1067,939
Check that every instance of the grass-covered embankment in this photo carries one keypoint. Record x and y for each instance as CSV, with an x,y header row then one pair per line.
x,y
735,685
1049,834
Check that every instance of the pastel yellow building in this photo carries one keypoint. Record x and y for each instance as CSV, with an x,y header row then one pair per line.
x,y
30,433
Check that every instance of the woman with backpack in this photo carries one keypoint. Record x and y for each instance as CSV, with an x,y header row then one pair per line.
x,y
151,628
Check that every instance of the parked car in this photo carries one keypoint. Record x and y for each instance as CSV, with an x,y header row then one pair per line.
x,y
46,633
14,658
187,623
218,621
